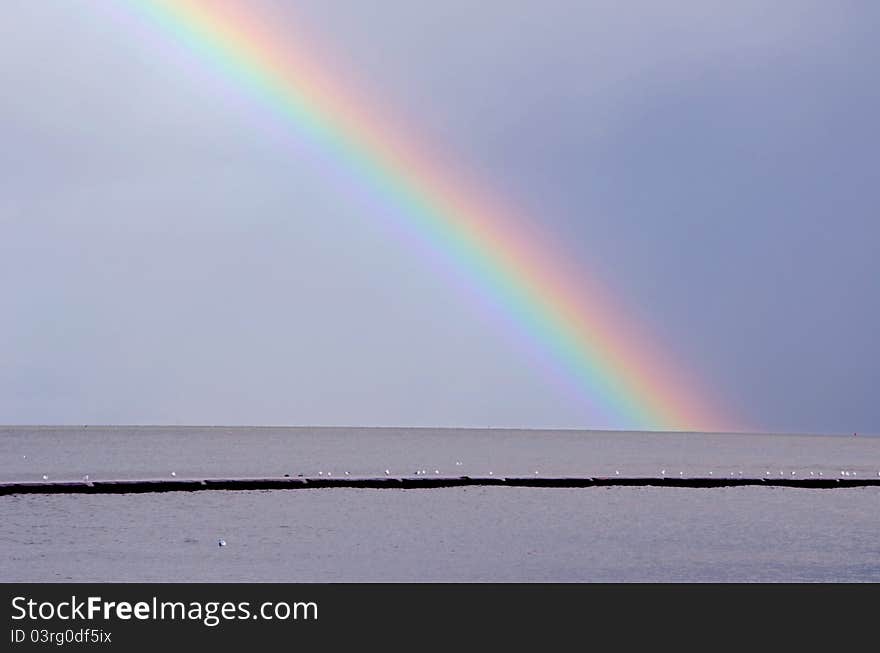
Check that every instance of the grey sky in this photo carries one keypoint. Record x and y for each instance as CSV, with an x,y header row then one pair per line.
x,y
169,254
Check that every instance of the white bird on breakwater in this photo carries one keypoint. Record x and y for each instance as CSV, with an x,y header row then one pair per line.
x,y
436,471
387,472
221,543
45,477
174,473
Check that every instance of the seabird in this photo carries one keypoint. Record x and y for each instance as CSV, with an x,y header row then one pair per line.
x,y
45,477
387,472
221,543
174,473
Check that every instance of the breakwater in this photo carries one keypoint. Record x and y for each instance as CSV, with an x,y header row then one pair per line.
x,y
416,482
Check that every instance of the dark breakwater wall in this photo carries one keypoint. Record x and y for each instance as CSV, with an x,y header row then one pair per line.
x,y
414,482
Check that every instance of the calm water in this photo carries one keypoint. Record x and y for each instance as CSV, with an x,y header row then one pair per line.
x,y
455,534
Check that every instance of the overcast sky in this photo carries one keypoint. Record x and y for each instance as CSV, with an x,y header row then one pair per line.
x,y
170,253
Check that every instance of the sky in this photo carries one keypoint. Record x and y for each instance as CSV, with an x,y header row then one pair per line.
x,y
173,253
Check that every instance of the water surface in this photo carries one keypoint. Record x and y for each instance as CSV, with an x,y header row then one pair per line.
x,y
452,534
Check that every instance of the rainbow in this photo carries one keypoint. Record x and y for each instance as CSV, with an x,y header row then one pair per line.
x,y
568,317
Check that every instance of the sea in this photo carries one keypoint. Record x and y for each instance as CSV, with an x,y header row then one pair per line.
x,y
480,534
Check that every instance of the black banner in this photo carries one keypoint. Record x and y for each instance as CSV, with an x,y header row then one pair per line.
x,y
131,617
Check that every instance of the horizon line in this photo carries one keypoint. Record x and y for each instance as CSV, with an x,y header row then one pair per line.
x,y
444,428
